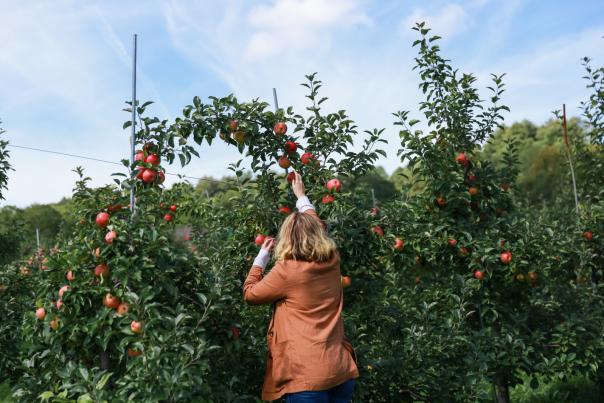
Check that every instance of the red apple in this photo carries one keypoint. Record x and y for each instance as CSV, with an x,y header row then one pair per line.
x,y
161,177
136,327
291,176
59,304
40,313
148,176
280,128
110,237
235,332
69,276
152,159
102,270
102,219
464,251
111,301
285,210
378,230
399,244
462,159
259,239
284,162
133,353
334,185
122,309
307,158
63,290
173,208
478,274
452,242
139,156
114,207
505,257
471,178
290,147
346,281
233,125
440,201
140,171
168,217
327,199
473,190
588,235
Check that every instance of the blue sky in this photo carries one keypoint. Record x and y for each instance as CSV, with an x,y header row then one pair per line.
x,y
65,67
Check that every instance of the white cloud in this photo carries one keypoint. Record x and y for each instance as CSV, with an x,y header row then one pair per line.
x,y
448,22
299,24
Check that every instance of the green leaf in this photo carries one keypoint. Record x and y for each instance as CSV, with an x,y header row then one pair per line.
x,y
45,396
101,384
85,399
84,373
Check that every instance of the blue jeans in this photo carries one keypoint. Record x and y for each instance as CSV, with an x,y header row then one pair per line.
x,y
339,394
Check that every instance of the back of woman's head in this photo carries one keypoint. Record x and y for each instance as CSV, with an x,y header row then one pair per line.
x,y
303,237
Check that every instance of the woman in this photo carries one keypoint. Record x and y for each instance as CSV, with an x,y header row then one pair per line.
x,y
309,358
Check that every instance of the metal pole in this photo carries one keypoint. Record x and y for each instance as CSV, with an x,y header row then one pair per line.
x,y
570,161
133,135
276,109
275,98
38,237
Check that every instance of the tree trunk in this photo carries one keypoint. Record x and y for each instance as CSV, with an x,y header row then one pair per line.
x,y
105,361
600,381
502,392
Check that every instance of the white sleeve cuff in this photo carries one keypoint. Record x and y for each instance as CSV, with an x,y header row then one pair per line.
x,y
262,259
303,204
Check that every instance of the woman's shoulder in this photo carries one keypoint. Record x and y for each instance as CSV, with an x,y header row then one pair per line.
x,y
334,259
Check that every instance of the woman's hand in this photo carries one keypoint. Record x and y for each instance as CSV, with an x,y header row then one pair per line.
x,y
298,185
269,244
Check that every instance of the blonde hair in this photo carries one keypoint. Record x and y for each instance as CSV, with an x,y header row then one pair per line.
x,y
303,237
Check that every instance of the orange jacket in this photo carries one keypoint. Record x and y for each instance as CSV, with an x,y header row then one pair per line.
x,y
307,348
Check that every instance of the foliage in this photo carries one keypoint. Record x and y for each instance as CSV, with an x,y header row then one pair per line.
x,y
5,166
17,286
575,389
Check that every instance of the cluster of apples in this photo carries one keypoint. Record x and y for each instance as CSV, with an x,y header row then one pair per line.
x,y
102,221
148,169
169,217
399,244
289,148
38,260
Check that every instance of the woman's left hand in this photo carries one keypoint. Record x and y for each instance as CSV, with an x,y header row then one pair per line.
x,y
268,244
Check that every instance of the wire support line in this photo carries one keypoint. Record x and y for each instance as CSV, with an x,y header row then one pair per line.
x,y
104,161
